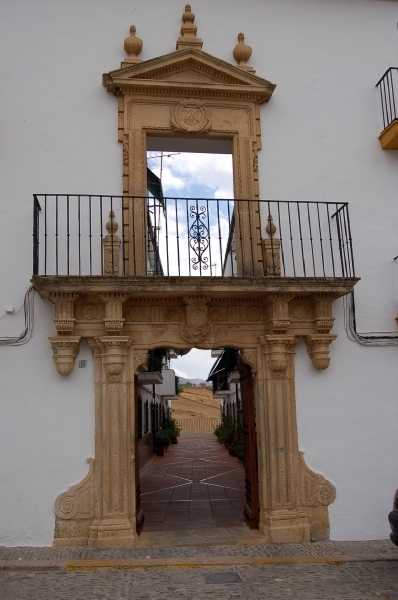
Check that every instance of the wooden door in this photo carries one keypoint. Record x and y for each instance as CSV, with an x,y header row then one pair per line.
x,y
252,505
139,518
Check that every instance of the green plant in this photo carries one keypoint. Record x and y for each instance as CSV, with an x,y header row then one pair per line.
x,y
239,449
173,429
162,437
226,432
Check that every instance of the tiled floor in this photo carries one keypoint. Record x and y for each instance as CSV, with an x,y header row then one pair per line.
x,y
195,485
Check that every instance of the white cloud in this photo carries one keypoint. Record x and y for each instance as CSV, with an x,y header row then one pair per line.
x,y
195,364
182,171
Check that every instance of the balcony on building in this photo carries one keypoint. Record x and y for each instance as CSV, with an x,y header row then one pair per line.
x,y
388,87
179,245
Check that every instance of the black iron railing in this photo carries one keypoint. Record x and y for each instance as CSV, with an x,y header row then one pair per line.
x,y
388,86
103,235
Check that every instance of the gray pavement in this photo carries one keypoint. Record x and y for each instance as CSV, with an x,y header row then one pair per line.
x,y
230,564
351,581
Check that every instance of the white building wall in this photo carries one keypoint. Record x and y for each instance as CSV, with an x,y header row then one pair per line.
x,y
58,133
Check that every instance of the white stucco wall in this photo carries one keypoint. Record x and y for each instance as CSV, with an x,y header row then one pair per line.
x,y
58,132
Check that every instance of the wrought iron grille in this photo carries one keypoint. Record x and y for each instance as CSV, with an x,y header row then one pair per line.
x,y
388,86
91,235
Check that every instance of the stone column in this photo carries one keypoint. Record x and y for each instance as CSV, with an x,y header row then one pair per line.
x,y
114,481
281,518
115,365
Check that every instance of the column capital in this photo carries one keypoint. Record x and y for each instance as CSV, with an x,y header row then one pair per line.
x,y
114,352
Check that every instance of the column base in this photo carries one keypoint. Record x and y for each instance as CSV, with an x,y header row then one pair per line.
x,y
112,533
285,526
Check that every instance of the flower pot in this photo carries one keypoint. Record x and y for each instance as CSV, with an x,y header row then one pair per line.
x,y
160,450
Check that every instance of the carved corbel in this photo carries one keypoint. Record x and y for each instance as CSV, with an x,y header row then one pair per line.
x,y
114,353
64,311
65,350
318,349
277,348
249,357
113,312
323,312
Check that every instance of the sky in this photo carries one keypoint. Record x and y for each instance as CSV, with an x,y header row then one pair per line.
x,y
189,175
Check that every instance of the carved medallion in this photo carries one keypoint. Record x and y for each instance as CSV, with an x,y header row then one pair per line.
x,y
137,313
218,315
89,312
190,116
253,313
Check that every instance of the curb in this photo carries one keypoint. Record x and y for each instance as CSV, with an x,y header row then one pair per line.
x,y
190,563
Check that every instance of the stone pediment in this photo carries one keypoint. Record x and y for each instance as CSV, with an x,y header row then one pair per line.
x,y
188,69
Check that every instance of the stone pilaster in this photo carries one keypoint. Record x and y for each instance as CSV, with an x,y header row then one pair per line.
x,y
64,311
114,482
281,517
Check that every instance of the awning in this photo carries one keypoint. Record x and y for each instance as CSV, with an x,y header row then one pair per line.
x,y
154,186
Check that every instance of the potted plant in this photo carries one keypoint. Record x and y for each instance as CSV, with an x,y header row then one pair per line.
x,y
162,441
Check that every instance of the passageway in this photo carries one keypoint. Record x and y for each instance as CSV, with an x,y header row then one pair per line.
x,y
195,485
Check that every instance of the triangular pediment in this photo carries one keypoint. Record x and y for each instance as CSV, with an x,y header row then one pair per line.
x,y
189,68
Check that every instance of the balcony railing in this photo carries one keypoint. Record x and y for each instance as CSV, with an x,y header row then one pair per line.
x,y
388,86
110,235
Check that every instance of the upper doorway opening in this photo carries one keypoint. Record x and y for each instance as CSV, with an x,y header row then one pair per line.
x,y
191,206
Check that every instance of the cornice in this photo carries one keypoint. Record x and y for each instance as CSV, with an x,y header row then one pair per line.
x,y
217,287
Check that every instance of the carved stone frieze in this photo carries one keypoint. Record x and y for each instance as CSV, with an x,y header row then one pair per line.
x,y
191,116
318,349
65,350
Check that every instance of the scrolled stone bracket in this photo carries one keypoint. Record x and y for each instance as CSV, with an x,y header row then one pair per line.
x,y
140,358
78,501
318,349
315,489
65,350
249,357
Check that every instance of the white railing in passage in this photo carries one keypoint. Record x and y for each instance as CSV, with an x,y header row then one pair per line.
x,y
198,425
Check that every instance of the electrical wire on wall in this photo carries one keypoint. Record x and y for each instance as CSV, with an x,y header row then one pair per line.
x,y
369,338
27,333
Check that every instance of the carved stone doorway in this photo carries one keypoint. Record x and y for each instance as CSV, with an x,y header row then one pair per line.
x,y
191,94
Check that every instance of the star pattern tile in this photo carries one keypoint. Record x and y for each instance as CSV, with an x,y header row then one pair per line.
x,y
196,485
